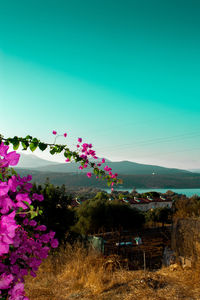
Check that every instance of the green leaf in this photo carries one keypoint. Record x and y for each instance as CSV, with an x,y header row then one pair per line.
x,y
33,146
9,140
78,158
35,140
68,154
109,183
16,144
53,151
42,146
59,148
25,145
96,171
33,214
28,137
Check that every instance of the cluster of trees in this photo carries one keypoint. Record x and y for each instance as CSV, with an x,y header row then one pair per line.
x,y
57,216
98,214
186,207
159,215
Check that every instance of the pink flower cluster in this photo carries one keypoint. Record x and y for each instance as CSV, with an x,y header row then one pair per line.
x,y
23,242
9,159
87,153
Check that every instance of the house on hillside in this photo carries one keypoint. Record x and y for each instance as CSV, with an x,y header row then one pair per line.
x,y
145,204
76,202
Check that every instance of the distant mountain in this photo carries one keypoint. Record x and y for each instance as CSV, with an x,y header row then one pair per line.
x,y
132,168
121,167
195,170
178,180
29,161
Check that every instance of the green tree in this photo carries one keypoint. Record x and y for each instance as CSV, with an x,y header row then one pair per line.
x,y
102,215
101,196
159,215
56,212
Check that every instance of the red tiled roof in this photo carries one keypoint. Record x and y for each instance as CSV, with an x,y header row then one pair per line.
x,y
146,201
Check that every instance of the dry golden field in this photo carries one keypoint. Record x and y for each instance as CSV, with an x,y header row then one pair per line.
x,y
75,274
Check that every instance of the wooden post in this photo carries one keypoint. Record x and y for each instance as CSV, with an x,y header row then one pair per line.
x,y
144,256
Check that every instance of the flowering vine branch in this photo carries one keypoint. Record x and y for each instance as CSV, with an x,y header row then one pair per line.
x,y
82,155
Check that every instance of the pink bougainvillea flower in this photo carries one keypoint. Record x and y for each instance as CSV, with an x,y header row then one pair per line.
x,y
41,228
80,168
67,160
7,228
5,281
79,140
103,160
33,223
54,243
17,292
6,204
15,242
85,146
38,197
21,197
12,158
65,134
54,132
13,183
89,174
26,221
4,188
3,149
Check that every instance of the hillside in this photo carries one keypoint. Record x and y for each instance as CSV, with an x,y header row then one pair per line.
x,y
29,161
185,180
195,170
75,274
121,167
133,174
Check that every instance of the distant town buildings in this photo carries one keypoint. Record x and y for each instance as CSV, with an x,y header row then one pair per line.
x,y
145,204
141,203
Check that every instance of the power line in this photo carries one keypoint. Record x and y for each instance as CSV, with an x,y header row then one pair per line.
x,y
138,144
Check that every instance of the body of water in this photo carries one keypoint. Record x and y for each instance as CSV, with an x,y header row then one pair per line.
x,y
187,192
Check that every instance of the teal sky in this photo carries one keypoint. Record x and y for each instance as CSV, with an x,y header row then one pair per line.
x,y
124,75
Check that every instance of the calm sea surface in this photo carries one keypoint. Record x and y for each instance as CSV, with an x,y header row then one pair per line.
x,y
187,192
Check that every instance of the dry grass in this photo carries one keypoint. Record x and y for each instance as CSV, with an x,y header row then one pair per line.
x,y
75,274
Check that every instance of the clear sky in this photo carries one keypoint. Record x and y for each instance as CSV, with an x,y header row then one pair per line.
x,y
122,74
